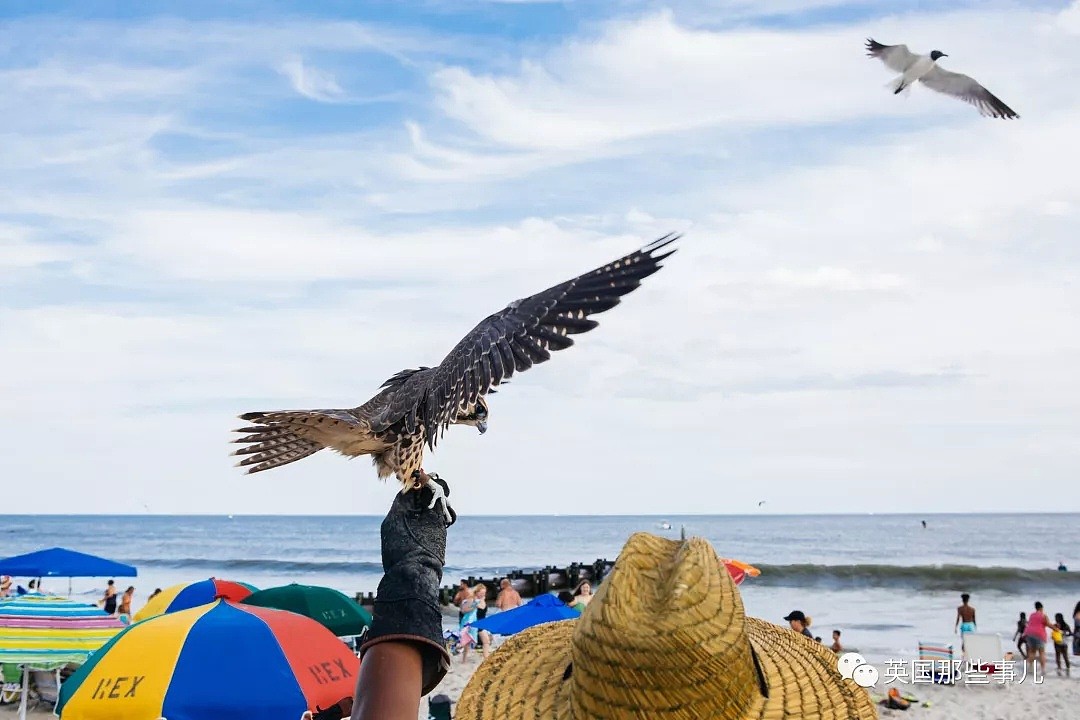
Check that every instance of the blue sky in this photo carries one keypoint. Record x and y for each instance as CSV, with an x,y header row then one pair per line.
x,y
211,208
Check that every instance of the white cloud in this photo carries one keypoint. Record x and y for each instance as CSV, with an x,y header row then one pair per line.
x,y
311,82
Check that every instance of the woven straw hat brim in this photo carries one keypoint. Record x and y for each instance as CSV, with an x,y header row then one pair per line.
x,y
526,679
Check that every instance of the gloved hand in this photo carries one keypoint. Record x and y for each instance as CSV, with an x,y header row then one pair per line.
x,y
407,602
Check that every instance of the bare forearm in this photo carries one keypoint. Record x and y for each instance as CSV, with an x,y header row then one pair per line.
x,y
389,685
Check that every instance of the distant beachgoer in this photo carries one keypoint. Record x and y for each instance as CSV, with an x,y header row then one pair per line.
x,y
1018,636
817,639
468,608
33,587
157,591
965,616
924,524
508,598
1035,636
108,600
464,593
5,586
1058,633
582,595
125,602
1076,629
1062,567
799,623
836,646
567,599
480,593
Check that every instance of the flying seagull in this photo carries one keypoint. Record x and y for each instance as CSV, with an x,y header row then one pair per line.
x,y
414,407
924,68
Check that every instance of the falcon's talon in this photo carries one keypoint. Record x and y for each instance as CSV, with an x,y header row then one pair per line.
x,y
439,496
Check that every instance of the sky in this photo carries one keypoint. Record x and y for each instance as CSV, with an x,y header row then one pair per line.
x,y
213,208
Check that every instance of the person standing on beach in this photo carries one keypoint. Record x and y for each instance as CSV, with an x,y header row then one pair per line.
x,y
1076,629
1018,636
480,595
108,600
124,611
965,616
464,593
799,623
836,646
1059,632
508,598
1035,637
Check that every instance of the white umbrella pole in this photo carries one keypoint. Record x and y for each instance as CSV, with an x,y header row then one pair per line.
x,y
25,691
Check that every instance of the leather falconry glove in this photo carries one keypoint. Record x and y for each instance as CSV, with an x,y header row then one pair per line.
x,y
407,602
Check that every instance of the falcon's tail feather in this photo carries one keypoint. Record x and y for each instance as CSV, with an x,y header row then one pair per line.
x,y
273,443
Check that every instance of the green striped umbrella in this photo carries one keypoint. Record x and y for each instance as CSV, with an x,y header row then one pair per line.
x,y
335,610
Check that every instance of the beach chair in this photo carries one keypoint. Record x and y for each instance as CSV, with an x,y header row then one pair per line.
x,y
983,653
12,688
937,663
45,687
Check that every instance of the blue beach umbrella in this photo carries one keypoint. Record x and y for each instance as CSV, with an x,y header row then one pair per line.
x,y
542,609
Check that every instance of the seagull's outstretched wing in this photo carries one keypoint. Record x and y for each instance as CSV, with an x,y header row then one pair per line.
x,y
895,57
965,88
517,337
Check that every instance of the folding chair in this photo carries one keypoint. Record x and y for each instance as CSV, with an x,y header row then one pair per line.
x,y
938,662
983,652
12,687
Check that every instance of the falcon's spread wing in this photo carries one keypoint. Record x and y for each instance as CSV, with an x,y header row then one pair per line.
x,y
517,337
895,57
965,88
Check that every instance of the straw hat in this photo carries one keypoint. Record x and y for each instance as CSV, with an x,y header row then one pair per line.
x,y
665,637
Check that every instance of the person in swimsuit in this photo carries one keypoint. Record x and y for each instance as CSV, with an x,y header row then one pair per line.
x,y
480,594
1059,632
108,601
124,610
1035,636
836,646
965,616
1076,629
508,598
469,607
1018,636
463,594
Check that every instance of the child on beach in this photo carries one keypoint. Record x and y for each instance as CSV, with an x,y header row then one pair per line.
x,y
1018,636
1059,633
836,646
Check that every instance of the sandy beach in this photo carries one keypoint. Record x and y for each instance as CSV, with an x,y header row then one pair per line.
x,y
1055,698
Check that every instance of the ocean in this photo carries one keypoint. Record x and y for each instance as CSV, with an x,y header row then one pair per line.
x,y
885,581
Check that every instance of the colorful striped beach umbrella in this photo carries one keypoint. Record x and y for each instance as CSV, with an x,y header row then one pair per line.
x,y
221,661
39,631
740,570
189,595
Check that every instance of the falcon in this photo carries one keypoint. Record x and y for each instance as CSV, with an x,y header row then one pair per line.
x,y
924,69
413,409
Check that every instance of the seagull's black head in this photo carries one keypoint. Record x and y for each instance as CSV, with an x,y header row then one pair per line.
x,y
935,54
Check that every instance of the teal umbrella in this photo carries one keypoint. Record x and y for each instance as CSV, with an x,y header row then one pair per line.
x,y
334,610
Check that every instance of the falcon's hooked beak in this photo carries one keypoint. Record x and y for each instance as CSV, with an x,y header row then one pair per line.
x,y
481,425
